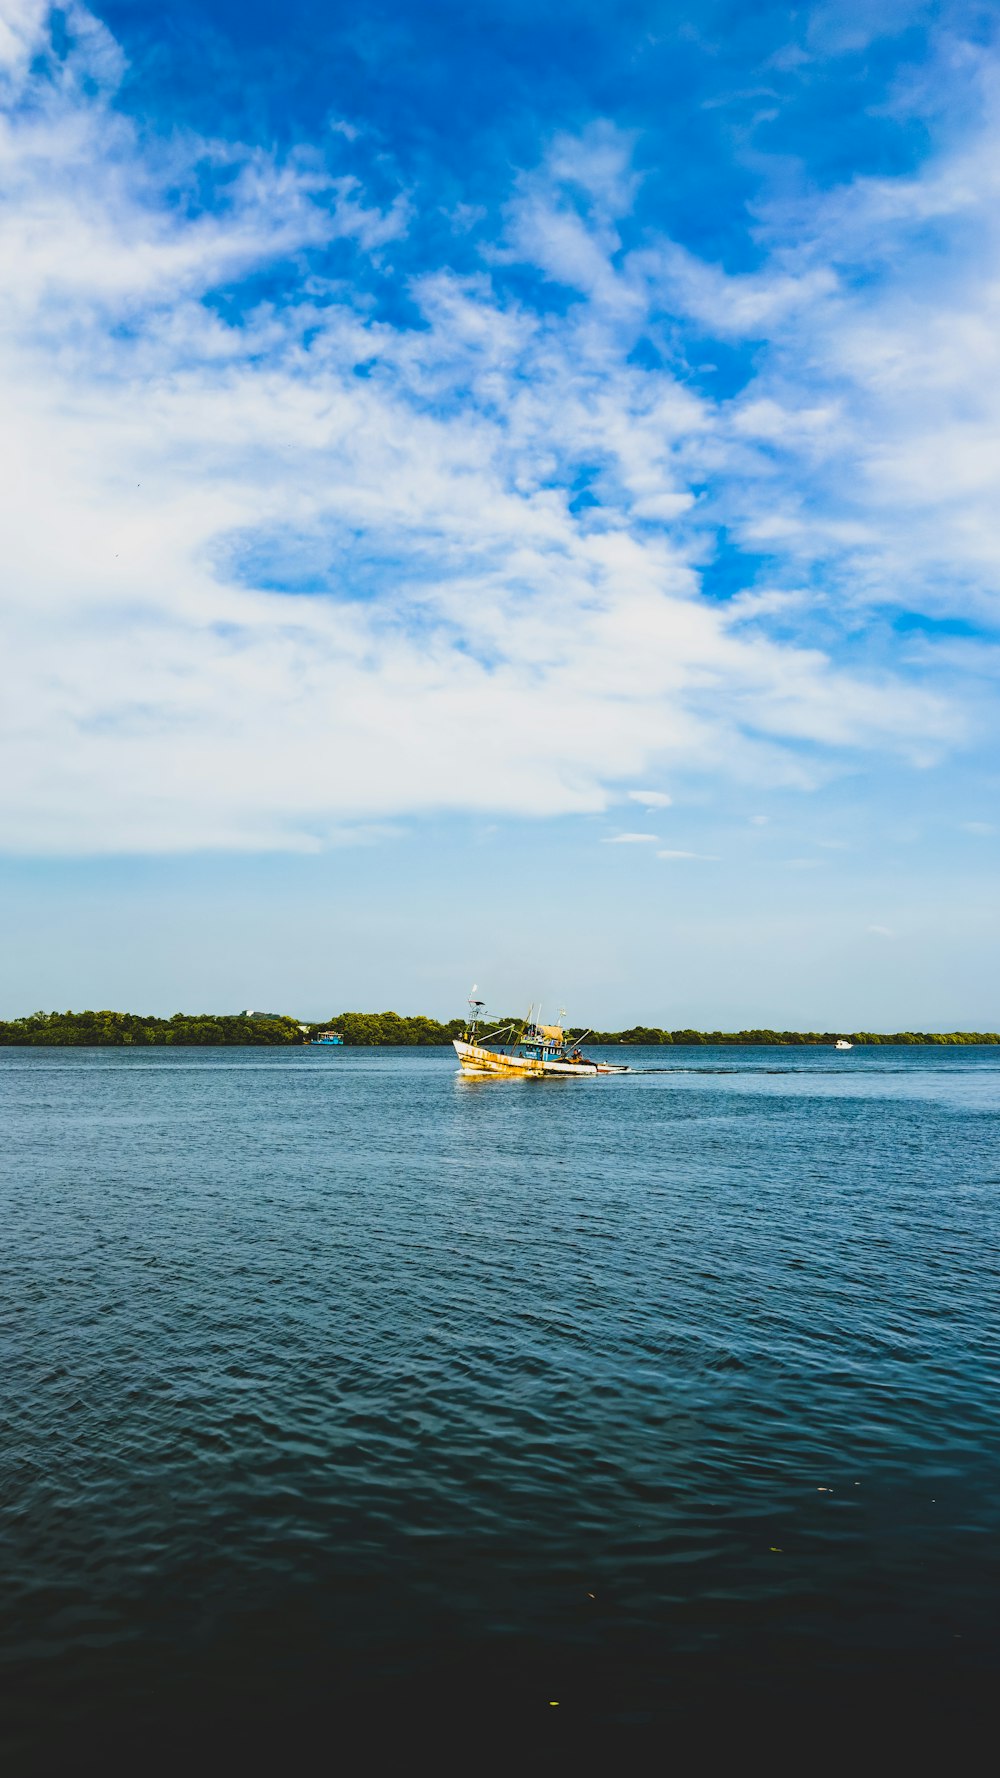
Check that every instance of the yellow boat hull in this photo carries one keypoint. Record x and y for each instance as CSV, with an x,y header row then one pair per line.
x,y
474,1059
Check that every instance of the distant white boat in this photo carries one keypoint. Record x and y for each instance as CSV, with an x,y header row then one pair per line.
x,y
842,1044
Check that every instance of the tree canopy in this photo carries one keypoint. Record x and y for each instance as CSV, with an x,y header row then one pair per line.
x,y
101,1029
384,1030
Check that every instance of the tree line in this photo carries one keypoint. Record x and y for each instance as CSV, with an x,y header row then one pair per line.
x,y
103,1029
384,1030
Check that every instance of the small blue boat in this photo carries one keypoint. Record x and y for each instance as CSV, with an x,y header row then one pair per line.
x,y
328,1037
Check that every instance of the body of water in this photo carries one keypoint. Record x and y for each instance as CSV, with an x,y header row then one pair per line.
x,y
338,1388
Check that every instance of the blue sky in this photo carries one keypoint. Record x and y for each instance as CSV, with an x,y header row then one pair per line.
x,y
503,493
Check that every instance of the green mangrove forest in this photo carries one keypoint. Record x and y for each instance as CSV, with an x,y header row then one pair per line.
x,y
384,1030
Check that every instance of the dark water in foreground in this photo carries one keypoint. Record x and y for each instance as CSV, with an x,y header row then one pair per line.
x,y
337,1389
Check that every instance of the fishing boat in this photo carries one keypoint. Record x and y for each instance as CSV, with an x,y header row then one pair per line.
x,y
842,1044
524,1050
324,1037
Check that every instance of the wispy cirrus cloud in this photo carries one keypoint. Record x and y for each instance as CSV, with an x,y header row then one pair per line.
x,y
650,799
631,839
274,552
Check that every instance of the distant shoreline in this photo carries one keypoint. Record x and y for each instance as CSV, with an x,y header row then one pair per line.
x,y
389,1030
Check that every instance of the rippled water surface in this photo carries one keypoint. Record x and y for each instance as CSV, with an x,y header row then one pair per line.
x,y
335,1385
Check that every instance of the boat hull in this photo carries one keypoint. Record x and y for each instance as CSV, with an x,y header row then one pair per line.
x,y
474,1059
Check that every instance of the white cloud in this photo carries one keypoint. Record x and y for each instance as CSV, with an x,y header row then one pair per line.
x,y
701,857
631,839
873,422
840,27
468,638
651,799
881,931
767,602
22,34
978,827
732,306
